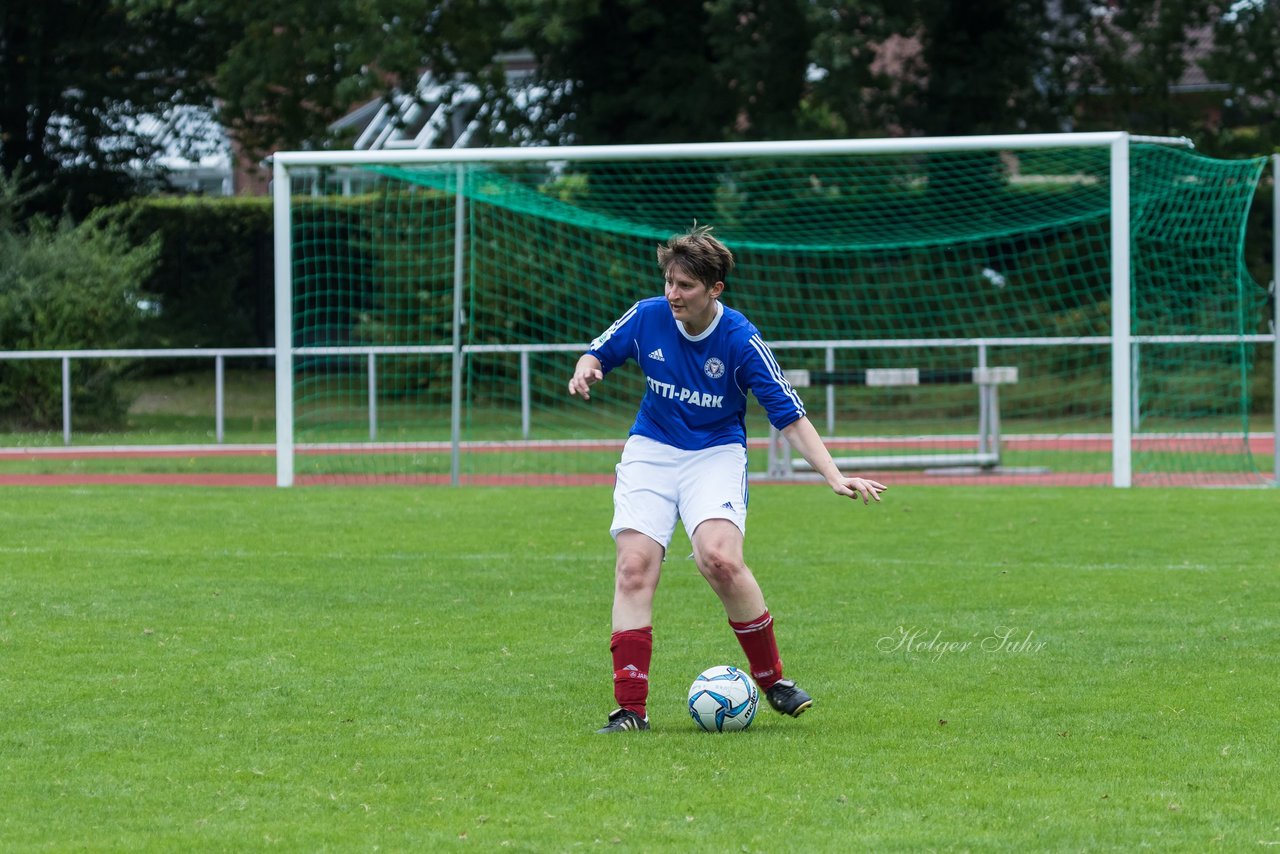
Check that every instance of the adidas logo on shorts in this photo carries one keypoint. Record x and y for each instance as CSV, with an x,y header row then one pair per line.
x,y
656,355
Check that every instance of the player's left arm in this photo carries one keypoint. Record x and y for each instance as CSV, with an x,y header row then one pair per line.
x,y
804,438
786,412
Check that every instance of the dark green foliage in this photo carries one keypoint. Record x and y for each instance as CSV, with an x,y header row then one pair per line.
x,y
983,60
1246,56
629,71
212,283
761,54
65,286
294,67
75,79
1135,58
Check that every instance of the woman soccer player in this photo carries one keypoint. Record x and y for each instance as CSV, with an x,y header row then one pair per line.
x,y
686,458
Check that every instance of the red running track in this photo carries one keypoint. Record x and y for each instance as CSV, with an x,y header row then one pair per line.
x,y
1260,446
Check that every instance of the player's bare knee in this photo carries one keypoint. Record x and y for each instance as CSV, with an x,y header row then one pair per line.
x,y
633,574
721,569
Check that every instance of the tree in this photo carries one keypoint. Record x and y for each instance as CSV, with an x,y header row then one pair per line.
x,y
80,78
760,51
981,61
76,78
943,67
1246,56
625,71
862,69
300,65
1137,54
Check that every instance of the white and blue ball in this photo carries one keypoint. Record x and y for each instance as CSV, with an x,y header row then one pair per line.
x,y
723,699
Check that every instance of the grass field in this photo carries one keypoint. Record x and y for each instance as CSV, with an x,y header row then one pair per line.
x,y
414,669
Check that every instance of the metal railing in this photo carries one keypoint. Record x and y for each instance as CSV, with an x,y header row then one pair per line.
x,y
219,356
371,353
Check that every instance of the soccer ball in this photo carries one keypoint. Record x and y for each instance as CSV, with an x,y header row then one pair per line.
x,y
723,699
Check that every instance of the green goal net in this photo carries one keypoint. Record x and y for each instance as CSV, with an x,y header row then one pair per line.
x,y
438,307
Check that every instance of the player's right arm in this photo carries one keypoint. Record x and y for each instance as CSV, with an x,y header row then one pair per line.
x,y
586,373
605,353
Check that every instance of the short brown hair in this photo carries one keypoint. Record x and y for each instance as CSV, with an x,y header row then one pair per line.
x,y
698,254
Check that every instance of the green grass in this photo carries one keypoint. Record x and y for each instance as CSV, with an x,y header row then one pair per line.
x,y
411,669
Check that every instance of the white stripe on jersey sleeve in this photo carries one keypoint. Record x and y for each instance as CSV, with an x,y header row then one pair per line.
x,y
775,371
617,324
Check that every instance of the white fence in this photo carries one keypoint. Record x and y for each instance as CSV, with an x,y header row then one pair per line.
x,y
830,348
219,357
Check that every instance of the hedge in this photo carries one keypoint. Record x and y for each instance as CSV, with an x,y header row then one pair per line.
x,y
212,284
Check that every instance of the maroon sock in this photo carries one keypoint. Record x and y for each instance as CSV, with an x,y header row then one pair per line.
x,y
761,647
632,650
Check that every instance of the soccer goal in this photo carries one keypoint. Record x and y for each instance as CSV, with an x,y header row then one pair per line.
x,y
430,304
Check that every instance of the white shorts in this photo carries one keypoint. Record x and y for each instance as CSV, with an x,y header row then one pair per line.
x,y
658,484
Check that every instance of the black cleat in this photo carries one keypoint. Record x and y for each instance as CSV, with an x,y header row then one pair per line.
x,y
621,720
788,699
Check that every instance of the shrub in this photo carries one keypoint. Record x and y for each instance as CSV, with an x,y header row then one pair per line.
x,y
65,286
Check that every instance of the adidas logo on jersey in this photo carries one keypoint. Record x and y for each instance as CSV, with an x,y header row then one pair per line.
x,y
728,505
656,355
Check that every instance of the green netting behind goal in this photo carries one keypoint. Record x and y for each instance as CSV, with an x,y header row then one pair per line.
x,y
938,262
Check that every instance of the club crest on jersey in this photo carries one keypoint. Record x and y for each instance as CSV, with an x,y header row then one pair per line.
x,y
713,368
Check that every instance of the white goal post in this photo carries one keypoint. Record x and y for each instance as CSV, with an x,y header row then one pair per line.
x,y
286,165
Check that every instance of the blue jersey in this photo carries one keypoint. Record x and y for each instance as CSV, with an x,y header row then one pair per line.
x,y
697,386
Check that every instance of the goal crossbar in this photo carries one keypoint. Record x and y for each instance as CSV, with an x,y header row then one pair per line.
x,y
711,150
